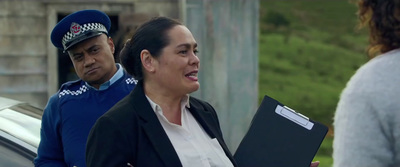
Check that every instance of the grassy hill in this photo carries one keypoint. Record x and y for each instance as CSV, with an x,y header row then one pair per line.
x,y
309,49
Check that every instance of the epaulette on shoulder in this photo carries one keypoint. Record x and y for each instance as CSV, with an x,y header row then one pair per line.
x,y
73,88
131,81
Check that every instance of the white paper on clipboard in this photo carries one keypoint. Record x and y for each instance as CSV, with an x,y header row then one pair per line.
x,y
294,116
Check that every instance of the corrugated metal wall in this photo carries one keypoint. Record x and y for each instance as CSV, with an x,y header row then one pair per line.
x,y
227,34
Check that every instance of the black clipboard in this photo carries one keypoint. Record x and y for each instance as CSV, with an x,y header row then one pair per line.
x,y
279,137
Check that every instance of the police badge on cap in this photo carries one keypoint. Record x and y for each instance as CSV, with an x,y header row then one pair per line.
x,y
78,27
75,28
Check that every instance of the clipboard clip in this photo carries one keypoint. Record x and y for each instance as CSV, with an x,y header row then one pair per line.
x,y
294,116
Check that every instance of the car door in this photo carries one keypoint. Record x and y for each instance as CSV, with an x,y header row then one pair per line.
x,y
14,154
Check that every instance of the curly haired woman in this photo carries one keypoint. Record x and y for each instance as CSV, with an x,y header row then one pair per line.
x,y
367,119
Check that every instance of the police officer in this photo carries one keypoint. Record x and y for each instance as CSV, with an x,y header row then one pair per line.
x,y
72,111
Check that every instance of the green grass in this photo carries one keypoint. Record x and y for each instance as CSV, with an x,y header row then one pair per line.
x,y
307,76
324,154
308,50
325,161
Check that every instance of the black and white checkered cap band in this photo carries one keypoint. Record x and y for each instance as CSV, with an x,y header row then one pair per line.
x,y
70,36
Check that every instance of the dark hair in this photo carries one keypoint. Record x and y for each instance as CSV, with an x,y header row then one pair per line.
x,y
152,35
382,18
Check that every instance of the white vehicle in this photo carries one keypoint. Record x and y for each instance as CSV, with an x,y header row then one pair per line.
x,y
19,132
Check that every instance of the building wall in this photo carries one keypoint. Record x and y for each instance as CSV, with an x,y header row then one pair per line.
x,y
23,55
227,34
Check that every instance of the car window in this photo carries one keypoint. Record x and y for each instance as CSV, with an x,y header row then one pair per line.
x,y
27,109
10,155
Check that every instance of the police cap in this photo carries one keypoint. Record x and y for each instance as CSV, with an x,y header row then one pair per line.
x,y
79,26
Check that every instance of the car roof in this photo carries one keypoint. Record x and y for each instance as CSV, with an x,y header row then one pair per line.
x,y
19,122
6,102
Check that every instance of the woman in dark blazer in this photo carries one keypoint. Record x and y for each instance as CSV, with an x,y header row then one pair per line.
x,y
158,123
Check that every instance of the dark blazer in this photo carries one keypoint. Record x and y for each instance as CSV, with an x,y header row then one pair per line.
x,y
130,132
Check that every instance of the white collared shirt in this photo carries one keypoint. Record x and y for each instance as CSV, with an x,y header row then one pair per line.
x,y
193,145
